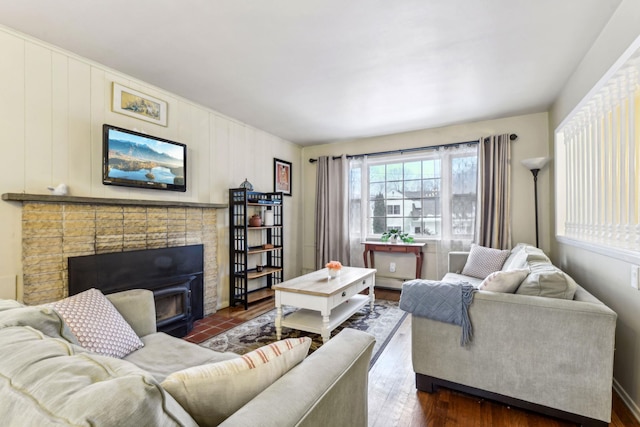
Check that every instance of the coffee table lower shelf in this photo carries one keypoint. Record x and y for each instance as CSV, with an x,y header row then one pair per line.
x,y
311,320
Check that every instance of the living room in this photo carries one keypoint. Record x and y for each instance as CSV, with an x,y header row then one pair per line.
x,y
55,101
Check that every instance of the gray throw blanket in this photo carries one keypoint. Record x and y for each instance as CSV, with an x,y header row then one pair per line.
x,y
442,301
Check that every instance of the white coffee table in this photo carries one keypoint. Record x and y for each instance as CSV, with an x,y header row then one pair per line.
x,y
324,303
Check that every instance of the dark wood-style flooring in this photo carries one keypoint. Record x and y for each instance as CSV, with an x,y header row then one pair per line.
x,y
393,398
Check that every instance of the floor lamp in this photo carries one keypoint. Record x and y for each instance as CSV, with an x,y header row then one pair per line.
x,y
534,165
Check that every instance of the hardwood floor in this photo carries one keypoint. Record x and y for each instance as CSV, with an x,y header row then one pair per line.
x,y
394,400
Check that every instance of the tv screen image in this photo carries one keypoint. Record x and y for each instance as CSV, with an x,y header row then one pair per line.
x,y
133,159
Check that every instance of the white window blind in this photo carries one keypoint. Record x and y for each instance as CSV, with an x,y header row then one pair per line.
x,y
598,161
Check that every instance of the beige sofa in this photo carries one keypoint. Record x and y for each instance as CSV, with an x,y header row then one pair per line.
x,y
551,355
46,378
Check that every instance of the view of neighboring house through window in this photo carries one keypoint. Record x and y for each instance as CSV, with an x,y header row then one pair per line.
x,y
428,195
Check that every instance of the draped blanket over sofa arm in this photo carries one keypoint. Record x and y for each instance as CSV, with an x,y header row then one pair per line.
x,y
442,301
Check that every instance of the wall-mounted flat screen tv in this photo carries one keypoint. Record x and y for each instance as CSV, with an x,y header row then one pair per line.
x,y
133,159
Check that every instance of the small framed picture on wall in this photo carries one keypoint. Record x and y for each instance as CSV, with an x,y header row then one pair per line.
x,y
136,104
282,176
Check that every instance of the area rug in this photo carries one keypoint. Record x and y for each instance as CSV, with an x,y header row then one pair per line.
x,y
382,323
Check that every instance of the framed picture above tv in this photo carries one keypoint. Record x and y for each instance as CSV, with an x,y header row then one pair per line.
x,y
133,159
136,104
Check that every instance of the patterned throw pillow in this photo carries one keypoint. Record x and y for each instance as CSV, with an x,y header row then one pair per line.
x,y
211,393
97,324
483,261
504,281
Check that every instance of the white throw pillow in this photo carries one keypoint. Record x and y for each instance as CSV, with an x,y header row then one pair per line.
x,y
97,324
483,261
504,281
213,392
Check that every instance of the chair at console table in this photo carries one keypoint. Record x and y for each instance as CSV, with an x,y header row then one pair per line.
x,y
414,248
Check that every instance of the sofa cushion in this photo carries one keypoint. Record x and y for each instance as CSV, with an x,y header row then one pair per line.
x,y
504,281
97,325
456,278
547,280
47,381
521,254
211,393
163,355
483,261
42,318
515,252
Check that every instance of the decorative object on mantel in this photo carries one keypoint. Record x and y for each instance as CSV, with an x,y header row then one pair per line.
x,y
534,165
393,234
334,268
246,184
60,190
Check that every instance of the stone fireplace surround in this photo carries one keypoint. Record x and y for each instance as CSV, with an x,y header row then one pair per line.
x,y
55,228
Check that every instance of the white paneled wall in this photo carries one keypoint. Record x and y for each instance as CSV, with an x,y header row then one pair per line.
x,y
52,108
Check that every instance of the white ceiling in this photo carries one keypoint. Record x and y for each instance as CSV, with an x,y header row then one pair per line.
x,y
316,71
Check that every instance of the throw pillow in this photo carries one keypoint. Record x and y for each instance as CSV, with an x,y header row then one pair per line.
x,y
97,324
504,281
483,261
212,392
547,280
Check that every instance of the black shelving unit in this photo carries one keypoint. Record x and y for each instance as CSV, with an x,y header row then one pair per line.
x,y
250,247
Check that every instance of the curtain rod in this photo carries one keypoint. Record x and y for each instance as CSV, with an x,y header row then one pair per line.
x,y
512,137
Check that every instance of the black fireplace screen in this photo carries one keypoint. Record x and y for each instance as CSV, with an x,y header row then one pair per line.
x,y
175,275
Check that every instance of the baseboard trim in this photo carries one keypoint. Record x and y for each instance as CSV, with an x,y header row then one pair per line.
x,y
626,399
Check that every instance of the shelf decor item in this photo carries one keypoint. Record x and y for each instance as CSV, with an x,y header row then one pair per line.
x,y
395,234
255,221
246,184
334,268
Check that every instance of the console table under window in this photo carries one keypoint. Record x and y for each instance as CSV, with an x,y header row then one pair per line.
x,y
414,248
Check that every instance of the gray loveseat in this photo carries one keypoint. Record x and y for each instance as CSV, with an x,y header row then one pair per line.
x,y
47,379
551,355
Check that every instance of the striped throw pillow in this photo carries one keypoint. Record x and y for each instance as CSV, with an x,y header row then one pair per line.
x,y
211,393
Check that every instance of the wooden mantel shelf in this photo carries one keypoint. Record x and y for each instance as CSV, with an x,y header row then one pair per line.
x,y
45,198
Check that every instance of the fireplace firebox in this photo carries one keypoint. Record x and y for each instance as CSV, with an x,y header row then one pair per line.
x,y
175,275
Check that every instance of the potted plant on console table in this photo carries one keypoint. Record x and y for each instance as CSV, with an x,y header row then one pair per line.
x,y
395,234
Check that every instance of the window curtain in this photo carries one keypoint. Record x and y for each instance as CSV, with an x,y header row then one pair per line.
x,y
358,208
332,211
493,222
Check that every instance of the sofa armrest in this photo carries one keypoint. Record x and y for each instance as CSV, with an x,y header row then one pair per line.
x,y
138,308
329,388
457,260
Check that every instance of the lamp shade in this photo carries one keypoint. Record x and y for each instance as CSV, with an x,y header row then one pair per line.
x,y
535,162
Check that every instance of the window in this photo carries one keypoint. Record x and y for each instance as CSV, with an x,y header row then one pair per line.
x,y
428,195
598,163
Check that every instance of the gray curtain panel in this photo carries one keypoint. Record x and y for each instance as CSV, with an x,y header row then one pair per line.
x,y
332,211
493,228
